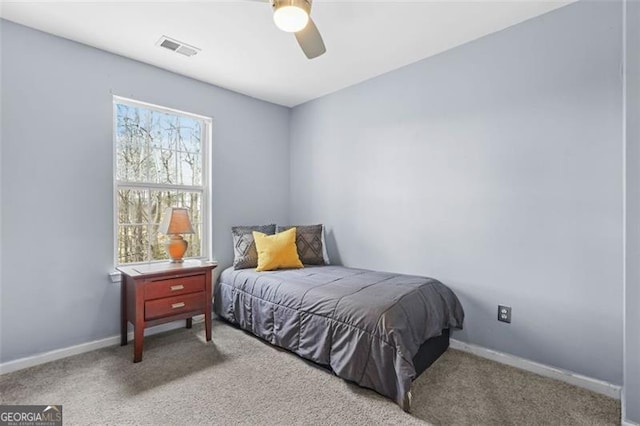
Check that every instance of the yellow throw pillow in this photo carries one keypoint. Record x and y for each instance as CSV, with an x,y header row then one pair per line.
x,y
277,251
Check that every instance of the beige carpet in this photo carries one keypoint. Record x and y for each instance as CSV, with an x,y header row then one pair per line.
x,y
238,379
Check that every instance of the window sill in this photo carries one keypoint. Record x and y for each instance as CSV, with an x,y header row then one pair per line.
x,y
115,276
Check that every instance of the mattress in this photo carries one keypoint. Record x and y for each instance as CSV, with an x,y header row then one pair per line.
x,y
367,326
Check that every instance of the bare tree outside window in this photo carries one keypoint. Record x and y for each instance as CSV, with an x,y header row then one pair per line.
x,y
159,164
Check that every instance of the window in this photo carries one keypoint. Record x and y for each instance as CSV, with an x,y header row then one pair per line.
x,y
161,160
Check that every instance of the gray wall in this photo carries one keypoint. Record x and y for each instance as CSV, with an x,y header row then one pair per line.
x,y
57,174
495,167
632,298
1,199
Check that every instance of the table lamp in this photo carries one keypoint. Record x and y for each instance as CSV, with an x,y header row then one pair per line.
x,y
176,222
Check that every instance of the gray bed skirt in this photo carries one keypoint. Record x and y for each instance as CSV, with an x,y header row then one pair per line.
x,y
366,326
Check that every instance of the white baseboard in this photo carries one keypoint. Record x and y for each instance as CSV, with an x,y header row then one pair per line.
x,y
625,421
31,361
595,385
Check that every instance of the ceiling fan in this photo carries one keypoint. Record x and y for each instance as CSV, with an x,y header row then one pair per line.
x,y
292,16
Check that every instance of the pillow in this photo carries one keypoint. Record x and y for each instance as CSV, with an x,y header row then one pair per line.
x,y
244,248
309,243
277,251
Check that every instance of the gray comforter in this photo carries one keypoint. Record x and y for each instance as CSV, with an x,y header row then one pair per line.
x,y
366,326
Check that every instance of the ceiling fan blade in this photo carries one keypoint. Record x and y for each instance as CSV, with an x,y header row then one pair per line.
x,y
310,40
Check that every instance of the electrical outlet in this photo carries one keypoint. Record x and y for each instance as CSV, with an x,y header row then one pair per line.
x,y
504,313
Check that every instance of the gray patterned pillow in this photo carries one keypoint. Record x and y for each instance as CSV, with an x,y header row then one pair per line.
x,y
244,248
308,242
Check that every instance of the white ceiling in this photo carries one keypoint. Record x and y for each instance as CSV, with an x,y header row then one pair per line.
x,y
242,50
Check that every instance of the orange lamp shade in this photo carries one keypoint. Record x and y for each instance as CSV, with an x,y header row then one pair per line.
x,y
176,221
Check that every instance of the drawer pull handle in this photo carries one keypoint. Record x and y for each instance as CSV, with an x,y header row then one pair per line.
x,y
177,305
177,287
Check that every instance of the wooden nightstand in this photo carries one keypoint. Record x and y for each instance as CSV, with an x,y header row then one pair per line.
x,y
157,293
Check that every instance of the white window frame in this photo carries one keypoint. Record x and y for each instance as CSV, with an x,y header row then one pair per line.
x,y
205,188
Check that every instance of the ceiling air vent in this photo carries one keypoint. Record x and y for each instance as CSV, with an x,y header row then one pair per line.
x,y
177,46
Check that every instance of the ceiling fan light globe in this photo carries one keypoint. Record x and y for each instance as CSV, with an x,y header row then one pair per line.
x,y
290,19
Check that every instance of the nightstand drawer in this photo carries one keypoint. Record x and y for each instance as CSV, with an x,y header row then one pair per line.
x,y
174,305
174,287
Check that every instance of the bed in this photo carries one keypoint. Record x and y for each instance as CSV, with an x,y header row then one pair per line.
x,y
377,329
